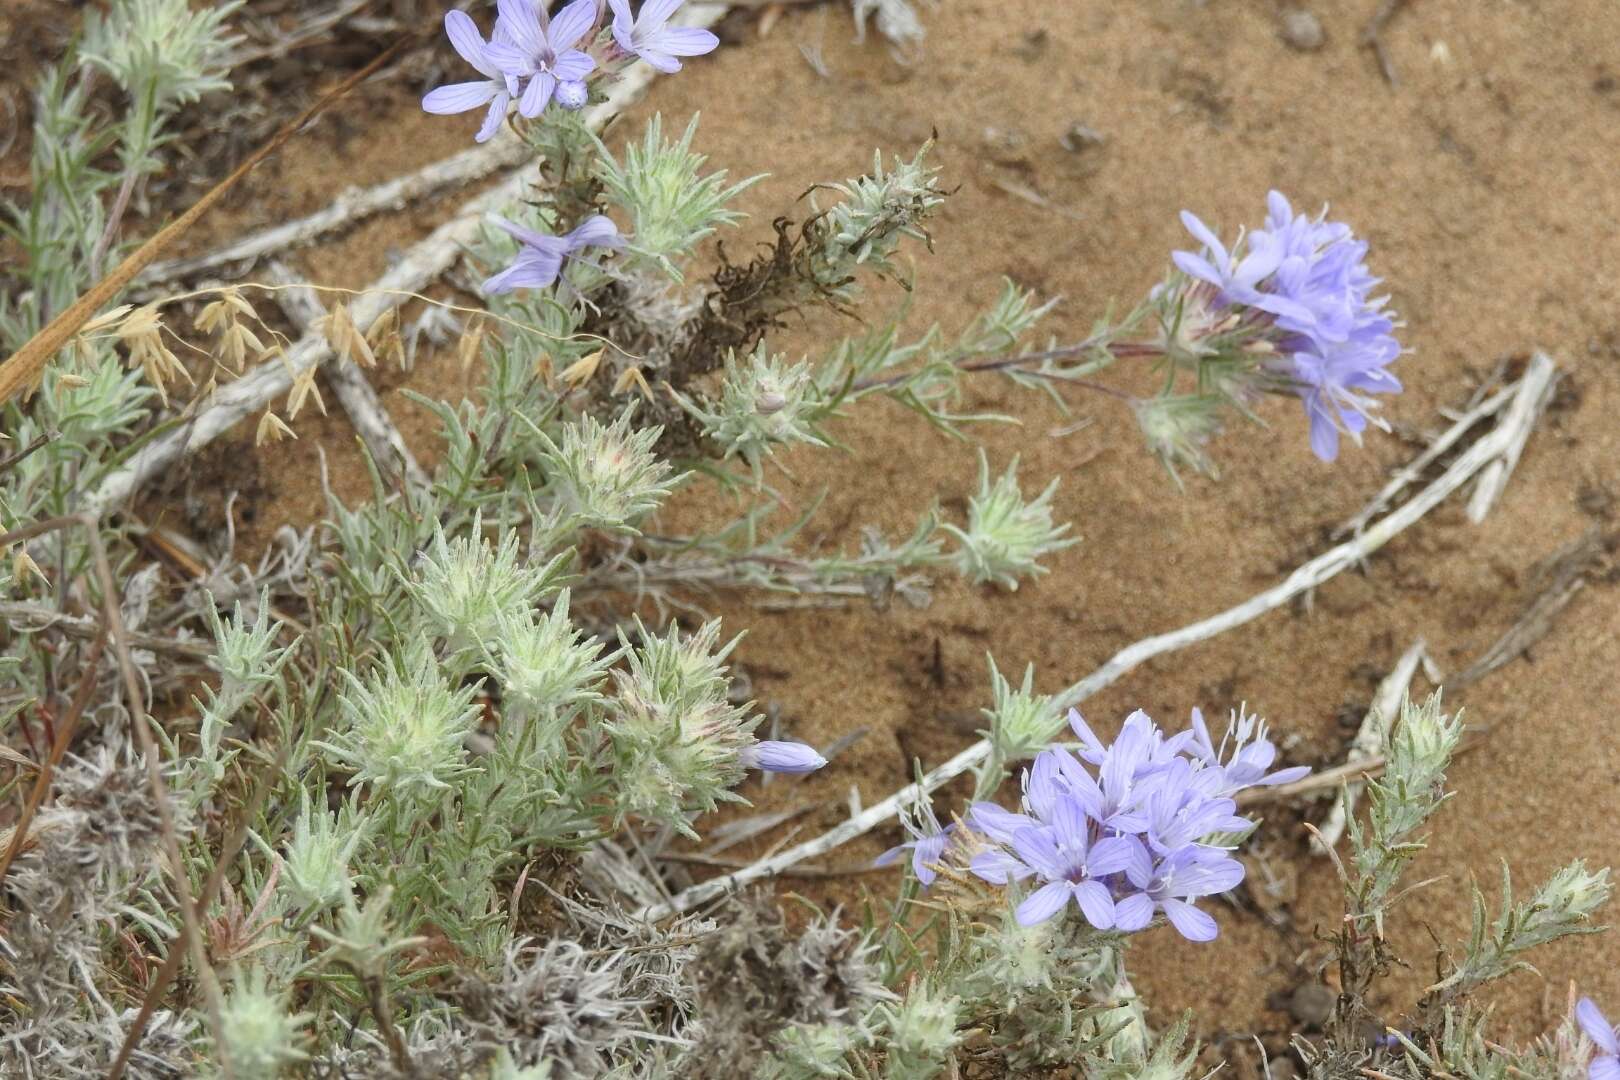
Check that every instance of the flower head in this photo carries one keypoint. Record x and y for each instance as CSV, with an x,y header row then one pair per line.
x,y
1129,829
650,37
540,49
540,258
496,89
1606,1064
1302,284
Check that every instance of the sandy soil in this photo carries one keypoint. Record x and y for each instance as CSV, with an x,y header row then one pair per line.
x,y
1485,180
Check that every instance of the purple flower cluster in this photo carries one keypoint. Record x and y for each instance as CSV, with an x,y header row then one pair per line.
x,y
1128,830
535,59
1606,1063
1307,278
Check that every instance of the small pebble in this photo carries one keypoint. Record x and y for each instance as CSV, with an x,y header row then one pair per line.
x,y
1311,1004
1302,30
1080,138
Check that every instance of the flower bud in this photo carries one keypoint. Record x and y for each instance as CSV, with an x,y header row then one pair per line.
x,y
782,757
261,1037
571,94
1006,535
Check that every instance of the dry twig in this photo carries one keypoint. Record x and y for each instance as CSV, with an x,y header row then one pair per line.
x,y
504,151
1565,575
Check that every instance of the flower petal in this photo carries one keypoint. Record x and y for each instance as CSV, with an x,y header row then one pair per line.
x,y
1285,776
532,269
655,13
1037,848
1043,903
683,41
998,867
660,61
537,95
997,823
769,755
573,66
467,41
1112,854
623,24
1095,904
510,59
492,119
1133,913
1604,1067
890,857
519,19
598,230
1205,236
1597,1026
1194,925
571,24
459,97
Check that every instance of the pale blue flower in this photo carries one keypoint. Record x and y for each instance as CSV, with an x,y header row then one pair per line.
x,y
541,49
927,844
496,89
649,37
1171,885
540,258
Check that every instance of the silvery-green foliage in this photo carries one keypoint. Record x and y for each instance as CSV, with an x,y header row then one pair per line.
x,y
605,476
920,1031
246,658
1005,535
1417,751
1039,988
676,735
1021,722
1165,1057
764,402
262,1036
874,214
402,728
544,666
319,851
163,51
815,1052
897,20
1178,427
94,849
466,588
1563,906
672,204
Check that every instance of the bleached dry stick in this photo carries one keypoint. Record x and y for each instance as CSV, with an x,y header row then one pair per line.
x,y
354,392
421,264
1309,576
1414,468
1369,741
1521,419
502,152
